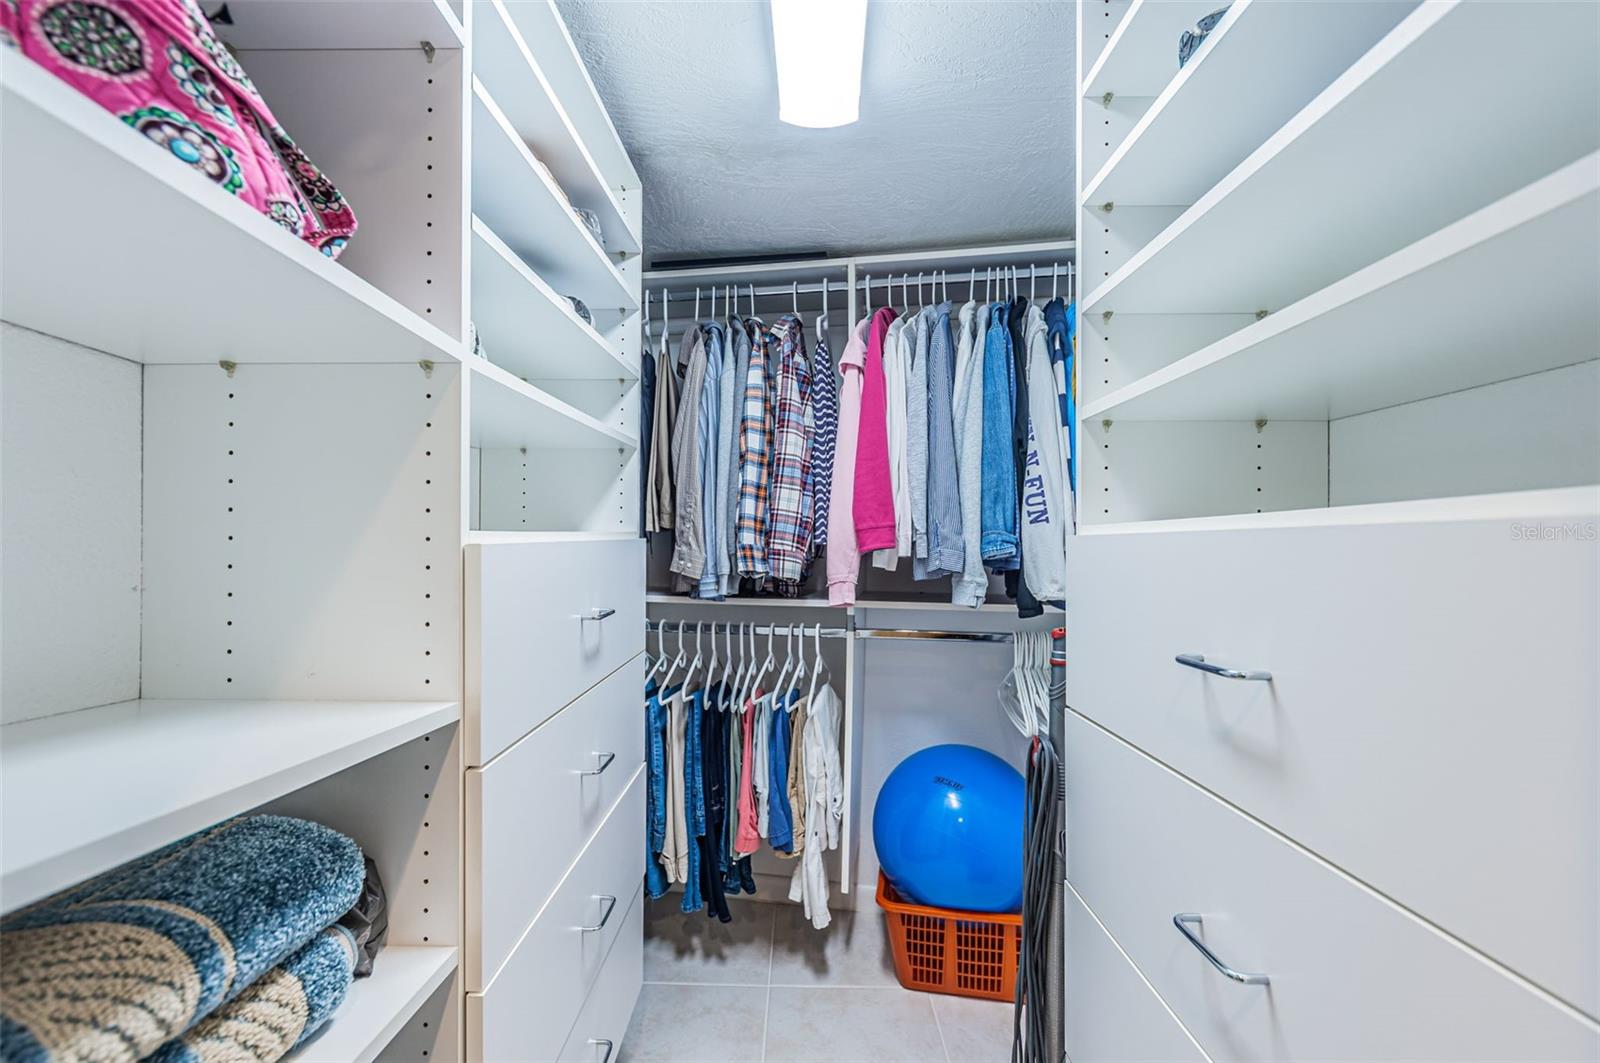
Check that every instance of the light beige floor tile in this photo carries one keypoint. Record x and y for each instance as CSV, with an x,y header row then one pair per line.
x,y
975,1031
696,1024
852,951
851,1026
692,948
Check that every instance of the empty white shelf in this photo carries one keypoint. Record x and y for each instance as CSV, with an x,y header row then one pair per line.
x,y
138,238
1354,176
509,68
1408,326
1142,54
545,32
169,768
1203,124
525,208
403,977
341,24
477,537
526,326
508,413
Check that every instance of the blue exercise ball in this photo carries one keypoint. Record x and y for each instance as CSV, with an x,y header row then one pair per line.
x,y
948,828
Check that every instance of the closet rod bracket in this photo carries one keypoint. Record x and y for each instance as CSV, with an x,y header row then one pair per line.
x,y
428,50
228,367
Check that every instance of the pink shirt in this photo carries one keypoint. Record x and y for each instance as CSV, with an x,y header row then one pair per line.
x,y
747,840
873,504
844,557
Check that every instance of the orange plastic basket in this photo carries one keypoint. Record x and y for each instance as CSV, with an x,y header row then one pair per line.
x,y
939,950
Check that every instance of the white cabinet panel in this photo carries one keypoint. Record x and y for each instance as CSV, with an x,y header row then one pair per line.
x,y
535,638
1435,679
1352,977
1112,1014
532,811
527,1011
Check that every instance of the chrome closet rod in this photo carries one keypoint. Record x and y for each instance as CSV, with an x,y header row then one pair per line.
x,y
841,285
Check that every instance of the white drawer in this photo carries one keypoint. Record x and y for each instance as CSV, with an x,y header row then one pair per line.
x,y
597,1035
1353,977
1430,726
527,1010
531,811
531,645
1112,1013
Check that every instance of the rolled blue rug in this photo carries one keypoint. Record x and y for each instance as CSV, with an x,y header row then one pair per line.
x,y
115,967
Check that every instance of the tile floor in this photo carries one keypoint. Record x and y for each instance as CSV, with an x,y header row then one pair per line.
x,y
769,987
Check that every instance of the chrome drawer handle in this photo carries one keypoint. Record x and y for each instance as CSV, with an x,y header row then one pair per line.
x,y
598,614
1238,976
1198,660
604,919
609,1047
605,762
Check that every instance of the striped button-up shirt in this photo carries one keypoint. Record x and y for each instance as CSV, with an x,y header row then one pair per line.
x,y
825,400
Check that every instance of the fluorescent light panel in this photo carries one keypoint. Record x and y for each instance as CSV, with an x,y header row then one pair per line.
x,y
818,44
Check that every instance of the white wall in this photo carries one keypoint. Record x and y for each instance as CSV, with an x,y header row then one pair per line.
x,y
70,486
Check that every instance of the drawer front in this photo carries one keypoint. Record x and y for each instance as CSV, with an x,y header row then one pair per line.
x,y
1353,977
1112,1013
532,1002
531,645
597,1035
1437,679
532,811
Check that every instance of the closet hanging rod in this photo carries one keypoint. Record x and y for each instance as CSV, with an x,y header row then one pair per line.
x,y
780,630
841,285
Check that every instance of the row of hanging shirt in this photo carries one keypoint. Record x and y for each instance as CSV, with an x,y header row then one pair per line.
x,y
739,756
947,440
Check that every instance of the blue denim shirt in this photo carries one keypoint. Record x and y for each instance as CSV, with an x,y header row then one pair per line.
x,y
780,828
999,511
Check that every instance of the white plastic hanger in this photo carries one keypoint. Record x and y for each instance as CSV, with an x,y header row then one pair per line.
x,y
712,662
660,662
677,662
727,666
819,665
699,657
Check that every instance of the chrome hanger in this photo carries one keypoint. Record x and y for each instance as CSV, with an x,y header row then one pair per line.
x,y
822,318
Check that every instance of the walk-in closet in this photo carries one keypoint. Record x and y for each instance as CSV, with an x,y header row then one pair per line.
x,y
844,531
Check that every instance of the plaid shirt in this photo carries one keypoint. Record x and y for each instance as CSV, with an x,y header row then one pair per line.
x,y
789,515
825,395
755,456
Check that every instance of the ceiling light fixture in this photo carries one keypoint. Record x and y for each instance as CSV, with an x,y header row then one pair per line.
x,y
818,44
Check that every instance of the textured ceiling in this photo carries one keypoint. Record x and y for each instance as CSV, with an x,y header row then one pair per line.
x,y
965,134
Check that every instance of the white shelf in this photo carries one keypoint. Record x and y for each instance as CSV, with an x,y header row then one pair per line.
x,y
171,768
519,201
508,413
155,263
506,64
1552,504
403,978
1401,329
526,326
545,32
481,538
1202,124
352,24
1355,175
1142,54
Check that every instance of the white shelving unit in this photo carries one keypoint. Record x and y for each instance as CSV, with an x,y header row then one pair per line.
x,y
1279,293
1338,380
378,1007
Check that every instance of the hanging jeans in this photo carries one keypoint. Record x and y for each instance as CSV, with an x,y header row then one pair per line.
x,y
655,876
694,799
713,857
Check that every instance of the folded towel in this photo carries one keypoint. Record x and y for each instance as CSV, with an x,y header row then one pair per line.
x,y
115,967
277,1012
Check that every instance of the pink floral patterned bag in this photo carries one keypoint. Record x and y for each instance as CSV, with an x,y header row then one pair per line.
x,y
157,65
